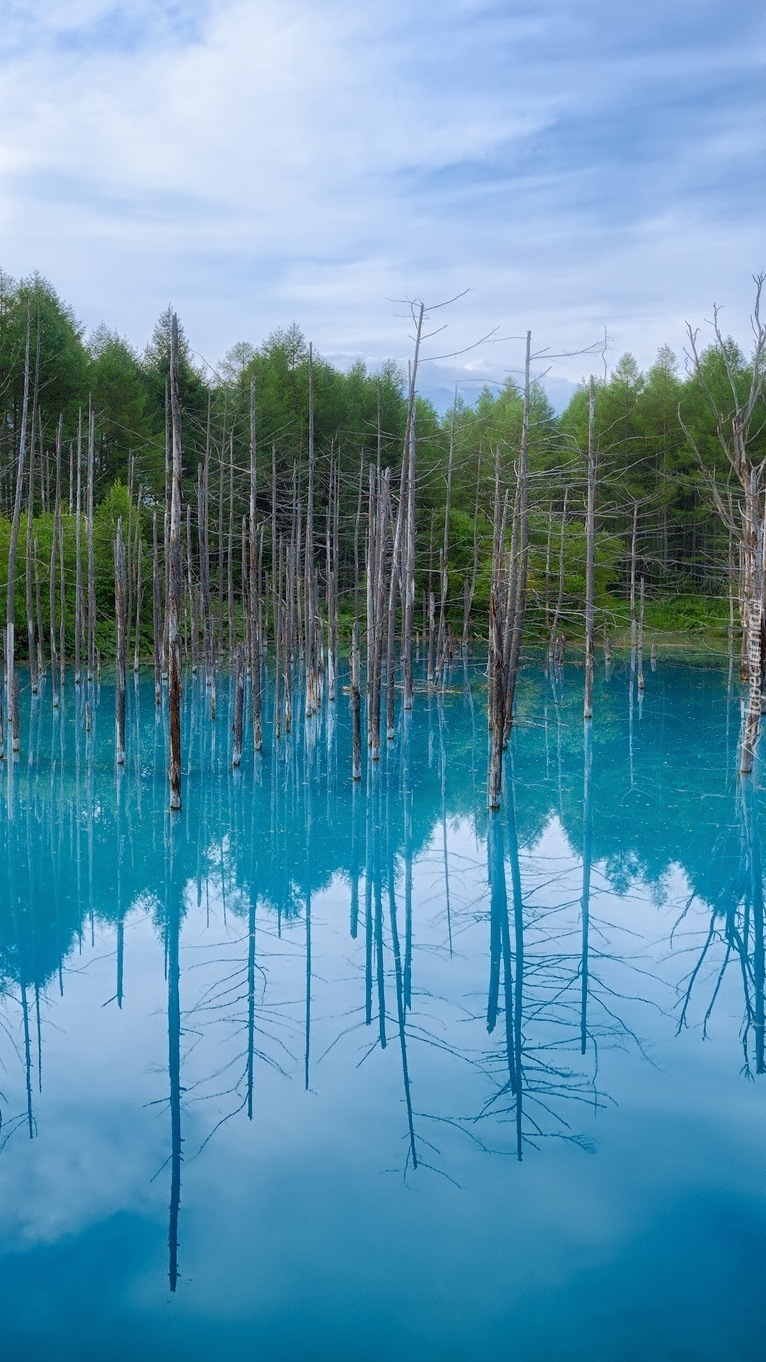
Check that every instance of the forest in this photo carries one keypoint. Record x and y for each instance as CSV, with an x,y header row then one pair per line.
x,y
651,429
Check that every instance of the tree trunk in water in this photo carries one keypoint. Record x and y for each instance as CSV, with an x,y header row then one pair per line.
x,y
497,706
31,648
156,615
56,545
590,552
91,557
753,550
633,589
239,706
120,618
255,588
356,724
78,611
174,582
10,641
640,643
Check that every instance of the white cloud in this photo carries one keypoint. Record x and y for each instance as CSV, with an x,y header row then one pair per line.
x,y
261,161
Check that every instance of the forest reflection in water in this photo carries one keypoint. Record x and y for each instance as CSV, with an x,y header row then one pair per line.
x,y
452,984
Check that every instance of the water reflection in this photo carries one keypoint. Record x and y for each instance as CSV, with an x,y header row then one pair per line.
x,y
310,925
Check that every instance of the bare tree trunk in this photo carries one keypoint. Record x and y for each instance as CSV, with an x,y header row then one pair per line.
x,y
548,544
90,546
239,706
497,704
120,632
39,610
230,553
552,649
523,559
640,642
156,615
78,602
356,725
441,647
10,644
470,587
192,595
130,566
32,651
255,587
633,589
753,550
139,589
309,586
590,554
56,547
409,574
356,537
174,581
52,614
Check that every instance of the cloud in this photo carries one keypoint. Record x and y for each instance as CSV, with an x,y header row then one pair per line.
x,y
576,167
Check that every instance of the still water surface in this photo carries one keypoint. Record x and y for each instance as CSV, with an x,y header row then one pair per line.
x,y
316,1071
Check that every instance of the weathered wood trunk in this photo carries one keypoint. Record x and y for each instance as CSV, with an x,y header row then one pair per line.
x,y
497,704
28,565
175,587
590,554
254,612
56,550
633,625
239,706
356,706
120,606
52,614
469,590
10,637
441,647
309,576
91,548
523,553
640,640
752,538
552,643
78,603
157,626
139,593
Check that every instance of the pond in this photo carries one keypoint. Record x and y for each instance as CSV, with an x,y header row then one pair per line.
x,y
324,1070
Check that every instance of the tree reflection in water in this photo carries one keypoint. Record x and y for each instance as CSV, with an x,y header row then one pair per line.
x,y
309,924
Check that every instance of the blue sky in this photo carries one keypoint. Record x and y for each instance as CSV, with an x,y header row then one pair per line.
x,y
580,167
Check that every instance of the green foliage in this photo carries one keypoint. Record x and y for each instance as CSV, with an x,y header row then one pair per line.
x,y
646,459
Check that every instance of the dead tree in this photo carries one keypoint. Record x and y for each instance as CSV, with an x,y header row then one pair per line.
x,y
120,640
522,561
175,587
78,612
28,549
91,557
734,429
10,638
590,554
553,641
156,615
254,613
356,726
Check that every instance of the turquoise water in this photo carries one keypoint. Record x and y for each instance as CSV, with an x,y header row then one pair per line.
x,y
316,1071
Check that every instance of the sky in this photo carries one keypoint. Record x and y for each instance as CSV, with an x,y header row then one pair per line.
x,y
590,171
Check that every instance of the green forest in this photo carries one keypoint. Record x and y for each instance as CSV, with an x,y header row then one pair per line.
x,y
658,453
